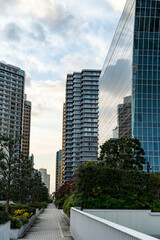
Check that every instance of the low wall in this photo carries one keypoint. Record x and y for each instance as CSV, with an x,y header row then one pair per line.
x,y
143,221
86,226
4,231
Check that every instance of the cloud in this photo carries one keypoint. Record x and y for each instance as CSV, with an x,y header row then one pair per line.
x,y
74,63
47,98
38,32
12,32
117,5
54,16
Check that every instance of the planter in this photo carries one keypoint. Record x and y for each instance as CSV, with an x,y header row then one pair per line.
x,y
16,233
4,231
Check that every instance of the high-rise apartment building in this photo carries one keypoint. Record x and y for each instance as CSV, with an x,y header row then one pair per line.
x,y
125,118
81,124
132,67
11,99
26,127
63,144
45,178
58,169
31,158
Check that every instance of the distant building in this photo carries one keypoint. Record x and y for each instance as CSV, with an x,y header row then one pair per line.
x,y
115,133
26,127
45,178
58,169
12,80
31,158
63,145
81,124
125,118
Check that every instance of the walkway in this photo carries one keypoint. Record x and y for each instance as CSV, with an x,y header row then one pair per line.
x,y
50,225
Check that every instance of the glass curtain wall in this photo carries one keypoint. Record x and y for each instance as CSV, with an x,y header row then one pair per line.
x,y
116,76
146,80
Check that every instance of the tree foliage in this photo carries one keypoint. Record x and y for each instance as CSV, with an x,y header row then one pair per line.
x,y
19,181
9,161
123,153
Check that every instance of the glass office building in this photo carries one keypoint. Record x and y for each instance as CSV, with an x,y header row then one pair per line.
x,y
132,67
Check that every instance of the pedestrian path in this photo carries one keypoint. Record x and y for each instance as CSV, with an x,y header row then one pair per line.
x,y
50,225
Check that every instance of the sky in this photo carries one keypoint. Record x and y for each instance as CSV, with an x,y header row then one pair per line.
x,y
48,39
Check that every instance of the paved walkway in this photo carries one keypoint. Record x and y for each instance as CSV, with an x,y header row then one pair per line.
x,y
50,225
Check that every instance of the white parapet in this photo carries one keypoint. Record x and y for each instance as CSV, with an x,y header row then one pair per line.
x,y
143,221
85,226
4,231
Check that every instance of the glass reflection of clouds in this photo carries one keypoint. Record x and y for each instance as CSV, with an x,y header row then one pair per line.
x,y
132,67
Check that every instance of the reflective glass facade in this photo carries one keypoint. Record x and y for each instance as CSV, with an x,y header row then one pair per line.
x,y
132,67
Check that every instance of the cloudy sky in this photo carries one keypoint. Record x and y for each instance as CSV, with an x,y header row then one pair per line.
x,y
48,39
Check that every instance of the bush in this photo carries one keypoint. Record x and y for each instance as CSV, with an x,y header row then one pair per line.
x,y
4,217
38,205
69,202
19,218
17,221
13,208
50,201
2,207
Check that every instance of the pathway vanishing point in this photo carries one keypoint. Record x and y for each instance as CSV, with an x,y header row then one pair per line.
x,y
50,225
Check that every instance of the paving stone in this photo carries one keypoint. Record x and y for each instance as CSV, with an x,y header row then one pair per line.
x,y
50,225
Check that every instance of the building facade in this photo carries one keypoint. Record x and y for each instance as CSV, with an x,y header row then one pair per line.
x,y
132,67
12,80
31,158
58,169
81,126
125,118
26,127
63,145
45,178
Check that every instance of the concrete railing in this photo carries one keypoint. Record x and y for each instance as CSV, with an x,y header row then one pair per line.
x,y
86,226
4,231
143,221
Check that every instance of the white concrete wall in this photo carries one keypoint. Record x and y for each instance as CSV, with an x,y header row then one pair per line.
x,y
140,220
85,226
4,231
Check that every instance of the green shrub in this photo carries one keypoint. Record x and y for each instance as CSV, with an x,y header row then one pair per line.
x,y
17,221
69,202
13,207
44,204
2,207
4,217
38,205
26,207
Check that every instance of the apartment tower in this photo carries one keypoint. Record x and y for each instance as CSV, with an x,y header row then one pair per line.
x,y
81,124
12,81
26,127
58,169
63,145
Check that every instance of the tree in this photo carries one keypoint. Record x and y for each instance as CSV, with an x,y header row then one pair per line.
x,y
9,161
123,153
21,184
38,190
